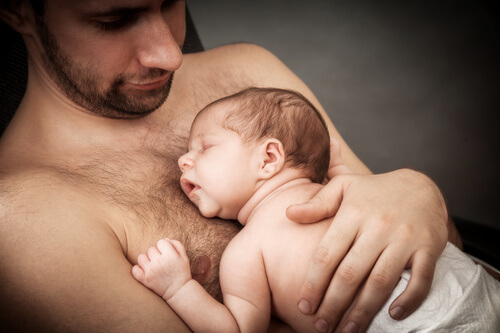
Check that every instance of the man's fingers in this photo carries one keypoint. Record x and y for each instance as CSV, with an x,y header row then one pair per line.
x,y
349,276
377,288
323,205
422,274
317,280
325,259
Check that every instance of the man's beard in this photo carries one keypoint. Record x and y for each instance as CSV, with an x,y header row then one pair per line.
x,y
80,84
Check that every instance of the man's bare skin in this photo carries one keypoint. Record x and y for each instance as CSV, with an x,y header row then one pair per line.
x,y
81,195
120,191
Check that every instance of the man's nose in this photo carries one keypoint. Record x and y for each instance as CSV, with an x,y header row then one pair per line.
x,y
157,46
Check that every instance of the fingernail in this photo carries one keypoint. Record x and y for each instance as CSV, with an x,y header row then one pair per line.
x,y
304,307
397,312
321,325
350,327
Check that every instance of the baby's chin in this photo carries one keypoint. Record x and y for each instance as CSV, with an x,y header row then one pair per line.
x,y
216,212
208,212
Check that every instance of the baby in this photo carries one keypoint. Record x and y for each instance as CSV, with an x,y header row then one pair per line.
x,y
251,155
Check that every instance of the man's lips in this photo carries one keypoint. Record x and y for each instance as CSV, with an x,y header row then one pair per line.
x,y
189,187
151,85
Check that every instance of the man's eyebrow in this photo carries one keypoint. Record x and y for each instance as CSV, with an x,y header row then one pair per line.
x,y
116,11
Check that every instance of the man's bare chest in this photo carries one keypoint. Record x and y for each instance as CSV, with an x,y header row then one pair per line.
x,y
140,188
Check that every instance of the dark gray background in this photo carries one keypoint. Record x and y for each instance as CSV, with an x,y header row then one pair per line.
x,y
407,83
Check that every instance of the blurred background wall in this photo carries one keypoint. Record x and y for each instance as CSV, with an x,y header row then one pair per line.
x,y
407,83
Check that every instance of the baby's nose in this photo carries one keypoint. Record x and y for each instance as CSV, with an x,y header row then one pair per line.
x,y
185,162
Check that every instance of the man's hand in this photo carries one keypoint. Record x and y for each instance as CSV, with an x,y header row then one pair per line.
x,y
381,225
165,268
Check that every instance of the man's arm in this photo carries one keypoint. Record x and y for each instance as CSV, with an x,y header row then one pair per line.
x,y
63,269
453,235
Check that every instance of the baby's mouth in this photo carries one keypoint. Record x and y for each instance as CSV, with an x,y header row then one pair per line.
x,y
189,187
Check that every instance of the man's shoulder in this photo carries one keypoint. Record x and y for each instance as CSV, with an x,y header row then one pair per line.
x,y
32,181
234,54
42,212
34,194
242,64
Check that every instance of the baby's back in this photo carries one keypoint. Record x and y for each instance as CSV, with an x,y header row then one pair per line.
x,y
287,249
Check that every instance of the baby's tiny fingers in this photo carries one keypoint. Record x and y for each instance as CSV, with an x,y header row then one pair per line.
x,y
164,245
143,260
153,253
138,273
179,248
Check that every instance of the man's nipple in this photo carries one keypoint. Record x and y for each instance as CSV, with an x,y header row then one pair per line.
x,y
200,268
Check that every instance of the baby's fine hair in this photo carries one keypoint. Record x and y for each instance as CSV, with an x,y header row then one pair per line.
x,y
261,113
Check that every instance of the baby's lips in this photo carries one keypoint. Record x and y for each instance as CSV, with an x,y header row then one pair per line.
x,y
188,187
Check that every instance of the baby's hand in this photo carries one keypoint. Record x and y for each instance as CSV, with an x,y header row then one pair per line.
x,y
165,268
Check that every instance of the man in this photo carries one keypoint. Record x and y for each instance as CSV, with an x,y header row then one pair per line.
x,y
89,178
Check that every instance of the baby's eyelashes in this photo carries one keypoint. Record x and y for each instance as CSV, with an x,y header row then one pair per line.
x,y
205,147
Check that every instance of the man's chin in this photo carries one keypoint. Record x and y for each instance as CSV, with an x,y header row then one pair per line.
x,y
136,104
136,101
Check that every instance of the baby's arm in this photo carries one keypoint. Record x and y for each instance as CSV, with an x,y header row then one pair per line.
x,y
165,270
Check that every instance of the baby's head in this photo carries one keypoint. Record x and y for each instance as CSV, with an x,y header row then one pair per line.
x,y
246,138
260,113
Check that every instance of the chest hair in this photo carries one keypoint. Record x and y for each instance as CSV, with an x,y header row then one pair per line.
x,y
142,184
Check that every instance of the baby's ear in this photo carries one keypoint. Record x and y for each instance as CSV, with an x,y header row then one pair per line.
x,y
272,158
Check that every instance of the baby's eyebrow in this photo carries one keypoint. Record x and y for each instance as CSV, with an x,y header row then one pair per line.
x,y
194,141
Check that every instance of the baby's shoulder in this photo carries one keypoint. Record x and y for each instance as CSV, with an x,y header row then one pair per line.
x,y
273,210
293,195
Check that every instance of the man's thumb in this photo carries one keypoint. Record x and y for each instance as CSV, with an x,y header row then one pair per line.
x,y
323,205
